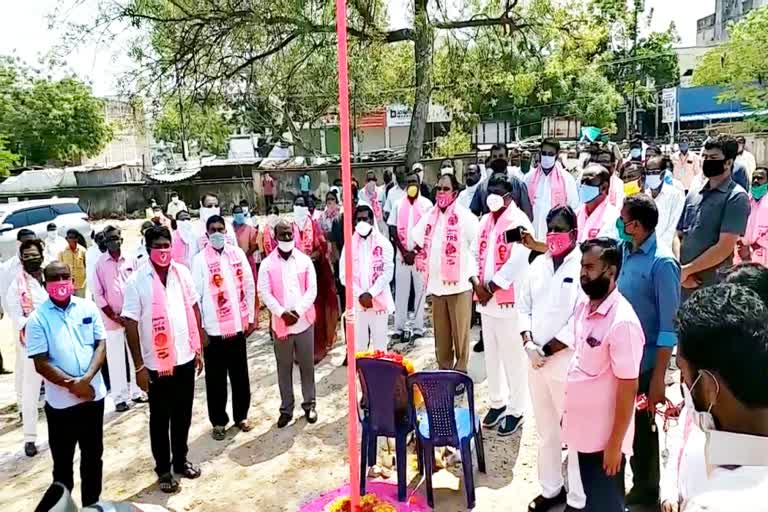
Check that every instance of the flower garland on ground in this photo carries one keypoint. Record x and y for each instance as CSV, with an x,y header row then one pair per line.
x,y
388,356
368,503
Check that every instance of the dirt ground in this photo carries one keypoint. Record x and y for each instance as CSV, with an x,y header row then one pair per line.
x,y
266,469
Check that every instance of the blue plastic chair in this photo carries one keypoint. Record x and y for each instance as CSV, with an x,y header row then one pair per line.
x,y
441,423
384,411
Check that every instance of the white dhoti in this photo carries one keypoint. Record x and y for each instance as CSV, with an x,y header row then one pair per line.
x,y
371,329
505,363
28,383
403,276
120,388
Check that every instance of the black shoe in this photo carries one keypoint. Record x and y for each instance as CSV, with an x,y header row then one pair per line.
x,y
542,504
509,425
479,347
3,371
640,497
30,450
122,407
397,337
460,390
284,420
311,415
493,417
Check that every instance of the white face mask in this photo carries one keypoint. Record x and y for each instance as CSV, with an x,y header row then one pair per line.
x,y
702,419
547,161
206,213
653,181
286,246
51,235
363,229
495,202
300,213
446,170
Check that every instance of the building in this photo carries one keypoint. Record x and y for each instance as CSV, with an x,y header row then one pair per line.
x,y
688,58
714,28
130,141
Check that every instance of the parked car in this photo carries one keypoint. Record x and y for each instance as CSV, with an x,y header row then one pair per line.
x,y
36,215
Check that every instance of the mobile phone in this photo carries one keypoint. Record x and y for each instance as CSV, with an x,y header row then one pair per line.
x,y
513,235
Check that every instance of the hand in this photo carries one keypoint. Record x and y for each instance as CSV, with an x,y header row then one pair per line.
x,y
315,255
669,506
204,339
656,393
199,363
483,295
409,257
142,379
527,240
691,282
81,388
366,300
537,360
289,318
744,251
612,458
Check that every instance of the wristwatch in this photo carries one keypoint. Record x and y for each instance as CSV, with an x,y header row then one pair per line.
x,y
547,349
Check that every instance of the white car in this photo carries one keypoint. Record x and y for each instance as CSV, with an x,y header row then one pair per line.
x,y
36,214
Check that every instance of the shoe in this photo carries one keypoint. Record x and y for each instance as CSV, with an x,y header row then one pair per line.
x,y
479,347
509,425
311,415
122,407
3,371
30,450
141,399
219,433
639,497
460,390
397,337
542,504
493,417
284,420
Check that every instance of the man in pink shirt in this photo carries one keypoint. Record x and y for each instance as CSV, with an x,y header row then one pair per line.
x,y
268,187
112,271
598,422
686,166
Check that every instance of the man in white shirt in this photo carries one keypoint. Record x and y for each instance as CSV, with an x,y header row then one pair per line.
x,y
596,216
92,255
373,266
162,324
54,244
224,281
670,201
746,158
445,234
24,295
547,300
287,285
175,206
395,194
502,265
410,267
471,182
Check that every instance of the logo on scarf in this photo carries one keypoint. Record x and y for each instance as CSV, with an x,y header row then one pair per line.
x,y
450,249
592,342
453,220
218,280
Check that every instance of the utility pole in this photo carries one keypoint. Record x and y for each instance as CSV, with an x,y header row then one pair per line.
x,y
182,128
635,13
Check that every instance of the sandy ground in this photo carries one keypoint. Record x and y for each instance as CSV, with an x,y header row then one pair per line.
x,y
266,469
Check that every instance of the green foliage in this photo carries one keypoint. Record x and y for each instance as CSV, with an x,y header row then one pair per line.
x,y
7,159
455,142
205,124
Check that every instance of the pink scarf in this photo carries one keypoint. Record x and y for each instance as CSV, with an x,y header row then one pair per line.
x,y
494,230
756,233
373,200
616,192
275,274
557,186
590,225
450,261
162,334
268,241
305,237
179,249
403,214
377,266
220,295
27,305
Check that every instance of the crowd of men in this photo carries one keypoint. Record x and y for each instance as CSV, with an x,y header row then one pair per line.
x,y
583,285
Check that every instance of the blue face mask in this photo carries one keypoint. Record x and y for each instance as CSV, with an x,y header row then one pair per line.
x,y
684,147
654,181
635,153
239,218
218,240
588,193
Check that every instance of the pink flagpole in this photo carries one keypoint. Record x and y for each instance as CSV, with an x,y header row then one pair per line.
x,y
346,176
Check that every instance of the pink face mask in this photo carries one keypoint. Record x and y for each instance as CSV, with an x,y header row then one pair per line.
x,y
60,290
444,199
558,243
160,257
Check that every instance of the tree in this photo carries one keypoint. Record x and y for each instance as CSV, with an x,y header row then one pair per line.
x,y
7,159
206,124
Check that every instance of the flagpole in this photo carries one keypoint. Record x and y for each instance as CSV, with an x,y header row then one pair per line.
x,y
346,176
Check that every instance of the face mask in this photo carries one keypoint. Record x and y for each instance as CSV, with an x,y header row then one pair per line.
x,y
32,265
206,213
331,208
758,191
446,170
495,202
413,191
653,181
558,243
712,168
363,229
51,235
588,193
622,232
114,246
444,199
272,219
635,153
702,419
525,166
238,218
218,240
286,246
174,199
684,147
631,188
597,288
300,213
60,290
160,257
547,162
370,187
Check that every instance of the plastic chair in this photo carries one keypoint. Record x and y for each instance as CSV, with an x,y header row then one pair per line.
x,y
441,423
385,411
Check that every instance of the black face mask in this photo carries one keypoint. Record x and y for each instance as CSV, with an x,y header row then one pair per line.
x,y
114,246
32,265
712,168
597,288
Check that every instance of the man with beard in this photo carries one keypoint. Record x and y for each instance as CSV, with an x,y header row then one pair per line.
x,y
471,182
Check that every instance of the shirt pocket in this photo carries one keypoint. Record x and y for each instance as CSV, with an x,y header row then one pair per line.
x,y
593,356
85,328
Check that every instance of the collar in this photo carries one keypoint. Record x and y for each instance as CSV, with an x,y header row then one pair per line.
x,y
574,254
646,247
723,187
605,307
72,303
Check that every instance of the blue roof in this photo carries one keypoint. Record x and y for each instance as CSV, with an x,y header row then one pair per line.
x,y
701,104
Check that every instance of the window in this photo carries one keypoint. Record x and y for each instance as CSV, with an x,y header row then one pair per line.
x,y
17,220
40,215
64,208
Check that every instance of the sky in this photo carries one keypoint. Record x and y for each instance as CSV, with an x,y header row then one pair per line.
x,y
25,33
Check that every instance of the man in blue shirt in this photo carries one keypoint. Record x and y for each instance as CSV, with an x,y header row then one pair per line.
x,y
65,337
650,281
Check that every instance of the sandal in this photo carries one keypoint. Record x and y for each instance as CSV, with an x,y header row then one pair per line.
x,y
245,426
189,471
168,484
219,433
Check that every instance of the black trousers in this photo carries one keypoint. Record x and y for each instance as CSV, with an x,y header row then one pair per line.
x,y
645,461
170,406
604,493
81,425
227,358
269,200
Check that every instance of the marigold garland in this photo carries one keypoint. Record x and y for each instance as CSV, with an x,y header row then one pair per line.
x,y
368,503
388,356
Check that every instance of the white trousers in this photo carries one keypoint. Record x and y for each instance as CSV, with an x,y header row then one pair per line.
x,y
120,389
403,275
547,386
505,363
28,383
371,329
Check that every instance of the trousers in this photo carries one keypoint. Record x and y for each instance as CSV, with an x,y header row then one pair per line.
x,y
80,425
28,383
227,358
603,493
405,277
371,329
299,347
121,387
505,363
451,316
170,407
645,459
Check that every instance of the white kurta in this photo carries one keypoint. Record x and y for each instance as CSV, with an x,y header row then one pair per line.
x,y
542,199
